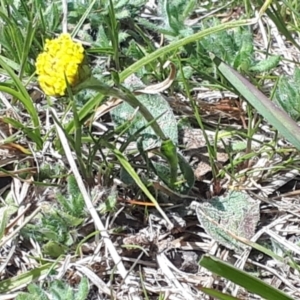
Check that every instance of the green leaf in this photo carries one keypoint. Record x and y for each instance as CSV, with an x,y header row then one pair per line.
x,y
160,111
70,219
36,291
83,289
236,212
26,278
73,189
168,149
23,296
187,171
252,284
4,214
130,170
287,94
54,249
266,64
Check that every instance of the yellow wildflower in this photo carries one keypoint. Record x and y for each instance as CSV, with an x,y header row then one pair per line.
x,y
62,59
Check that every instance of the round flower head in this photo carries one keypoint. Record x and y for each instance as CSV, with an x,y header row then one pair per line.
x,y
61,61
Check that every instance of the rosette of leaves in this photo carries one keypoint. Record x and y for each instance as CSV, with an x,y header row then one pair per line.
x,y
236,212
56,227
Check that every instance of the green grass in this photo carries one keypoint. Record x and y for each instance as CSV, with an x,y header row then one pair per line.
x,y
81,166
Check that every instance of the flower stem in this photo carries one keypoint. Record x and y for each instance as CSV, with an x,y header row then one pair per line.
x,y
126,95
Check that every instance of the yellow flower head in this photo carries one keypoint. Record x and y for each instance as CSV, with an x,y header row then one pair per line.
x,y
61,60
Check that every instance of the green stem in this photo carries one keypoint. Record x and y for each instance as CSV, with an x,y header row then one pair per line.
x,y
106,90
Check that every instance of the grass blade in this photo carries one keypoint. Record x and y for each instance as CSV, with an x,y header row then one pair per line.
x,y
25,278
273,114
217,294
249,282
